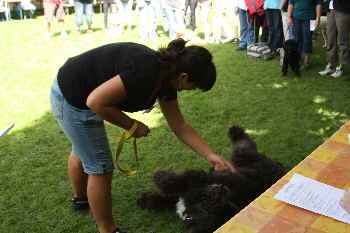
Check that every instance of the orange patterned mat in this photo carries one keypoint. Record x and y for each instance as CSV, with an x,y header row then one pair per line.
x,y
330,164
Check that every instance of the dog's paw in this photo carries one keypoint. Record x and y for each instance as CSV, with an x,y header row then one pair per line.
x,y
147,200
156,201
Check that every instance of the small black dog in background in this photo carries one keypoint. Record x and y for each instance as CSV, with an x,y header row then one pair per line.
x,y
291,57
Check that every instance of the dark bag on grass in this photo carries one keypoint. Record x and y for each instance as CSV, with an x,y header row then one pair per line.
x,y
260,51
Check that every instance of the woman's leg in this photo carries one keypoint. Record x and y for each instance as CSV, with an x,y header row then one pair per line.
x,y
205,10
100,201
332,52
77,176
307,42
193,6
128,14
343,28
88,14
243,29
106,12
275,28
78,8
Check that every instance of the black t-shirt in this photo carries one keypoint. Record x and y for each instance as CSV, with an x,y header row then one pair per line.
x,y
137,65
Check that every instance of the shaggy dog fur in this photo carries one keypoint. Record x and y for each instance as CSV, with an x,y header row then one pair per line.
x,y
291,57
205,200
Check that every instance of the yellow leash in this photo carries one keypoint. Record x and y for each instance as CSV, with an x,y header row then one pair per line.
x,y
126,135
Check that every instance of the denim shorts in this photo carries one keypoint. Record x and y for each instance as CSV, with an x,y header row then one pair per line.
x,y
86,131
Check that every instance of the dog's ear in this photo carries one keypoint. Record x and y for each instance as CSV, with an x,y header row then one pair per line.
x,y
236,132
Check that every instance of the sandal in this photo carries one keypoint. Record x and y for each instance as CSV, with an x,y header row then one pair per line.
x,y
118,231
305,67
80,203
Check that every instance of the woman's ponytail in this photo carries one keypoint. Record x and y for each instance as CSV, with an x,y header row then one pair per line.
x,y
196,61
177,46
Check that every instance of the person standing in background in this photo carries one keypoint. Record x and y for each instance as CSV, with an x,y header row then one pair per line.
x,y
300,13
274,24
338,29
53,8
235,18
193,5
5,9
205,9
175,18
222,30
107,11
246,27
288,30
124,13
83,8
148,20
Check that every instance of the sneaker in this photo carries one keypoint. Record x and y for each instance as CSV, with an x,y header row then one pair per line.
x,y
80,203
240,49
338,72
327,71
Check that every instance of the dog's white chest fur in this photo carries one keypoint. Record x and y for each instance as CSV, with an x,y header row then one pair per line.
x,y
181,208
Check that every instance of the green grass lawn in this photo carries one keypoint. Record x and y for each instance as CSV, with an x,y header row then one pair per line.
x,y
287,116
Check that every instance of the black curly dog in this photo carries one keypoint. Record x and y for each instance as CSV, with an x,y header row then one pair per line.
x,y
205,200
291,57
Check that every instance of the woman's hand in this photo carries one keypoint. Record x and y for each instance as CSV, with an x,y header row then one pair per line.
x,y
345,201
142,130
219,163
317,22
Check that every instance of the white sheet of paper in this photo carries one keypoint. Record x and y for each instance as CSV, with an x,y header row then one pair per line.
x,y
312,25
349,138
5,131
314,196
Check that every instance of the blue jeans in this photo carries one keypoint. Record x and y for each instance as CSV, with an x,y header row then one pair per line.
x,y
86,132
275,27
303,35
246,29
80,10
